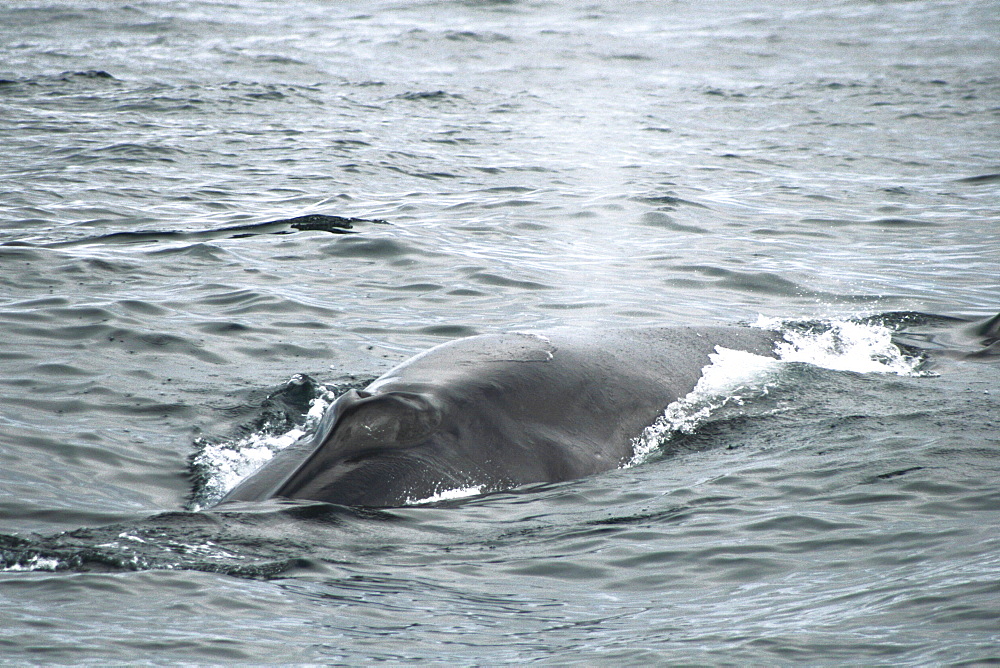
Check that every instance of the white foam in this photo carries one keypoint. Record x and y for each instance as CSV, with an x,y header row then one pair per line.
x,y
448,495
734,376
844,346
731,377
36,563
229,462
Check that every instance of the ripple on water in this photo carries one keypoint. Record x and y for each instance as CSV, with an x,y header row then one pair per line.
x,y
493,279
665,221
376,249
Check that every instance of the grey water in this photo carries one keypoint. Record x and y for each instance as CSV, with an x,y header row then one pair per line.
x,y
512,165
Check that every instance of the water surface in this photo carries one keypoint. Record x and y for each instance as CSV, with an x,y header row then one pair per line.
x,y
522,165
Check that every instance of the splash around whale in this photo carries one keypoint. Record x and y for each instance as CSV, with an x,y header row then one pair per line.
x,y
496,411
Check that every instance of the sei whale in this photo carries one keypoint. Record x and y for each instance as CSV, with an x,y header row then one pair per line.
x,y
496,411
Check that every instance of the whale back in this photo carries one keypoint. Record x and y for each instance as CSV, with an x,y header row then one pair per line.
x,y
496,411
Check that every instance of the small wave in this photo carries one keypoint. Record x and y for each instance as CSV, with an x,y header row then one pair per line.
x,y
220,466
981,178
32,562
170,541
843,345
313,222
733,377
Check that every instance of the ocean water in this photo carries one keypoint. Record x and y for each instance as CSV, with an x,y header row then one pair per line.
x,y
830,169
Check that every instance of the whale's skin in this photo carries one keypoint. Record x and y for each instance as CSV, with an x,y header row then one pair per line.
x,y
496,411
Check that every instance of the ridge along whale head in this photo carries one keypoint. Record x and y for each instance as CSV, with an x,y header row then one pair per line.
x,y
377,449
393,419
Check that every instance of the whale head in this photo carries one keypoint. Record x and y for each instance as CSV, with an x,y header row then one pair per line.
x,y
380,449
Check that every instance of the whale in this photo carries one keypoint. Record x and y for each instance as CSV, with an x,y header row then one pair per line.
x,y
496,411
